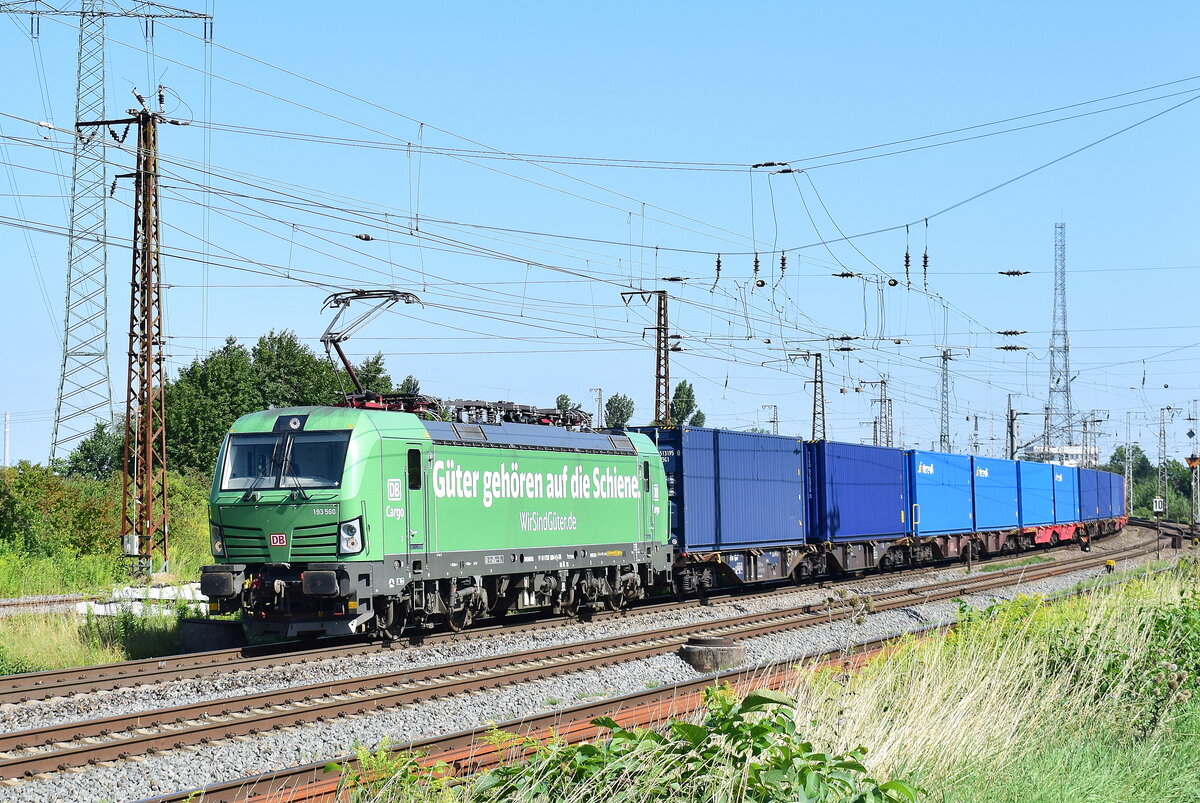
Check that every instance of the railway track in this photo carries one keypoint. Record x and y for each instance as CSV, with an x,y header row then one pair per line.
x,y
82,680
62,747
10,606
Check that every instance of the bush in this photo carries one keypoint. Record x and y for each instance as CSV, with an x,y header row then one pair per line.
x,y
746,750
60,534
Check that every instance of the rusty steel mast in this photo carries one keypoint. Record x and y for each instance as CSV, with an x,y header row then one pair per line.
x,y
144,487
144,482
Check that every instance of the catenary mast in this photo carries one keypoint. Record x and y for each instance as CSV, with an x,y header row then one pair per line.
x,y
1062,416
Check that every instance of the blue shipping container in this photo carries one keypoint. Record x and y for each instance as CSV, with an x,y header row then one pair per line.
x,y
940,493
1066,495
1104,484
858,492
1089,494
1036,493
1118,495
732,489
995,491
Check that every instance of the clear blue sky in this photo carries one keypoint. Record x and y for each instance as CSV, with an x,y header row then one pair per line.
x,y
329,123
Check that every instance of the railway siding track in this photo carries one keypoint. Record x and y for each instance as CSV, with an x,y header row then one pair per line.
x,y
57,748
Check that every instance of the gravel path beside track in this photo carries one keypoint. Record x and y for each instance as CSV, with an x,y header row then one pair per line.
x,y
186,768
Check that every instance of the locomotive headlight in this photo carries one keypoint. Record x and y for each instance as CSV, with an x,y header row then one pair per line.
x,y
216,539
350,537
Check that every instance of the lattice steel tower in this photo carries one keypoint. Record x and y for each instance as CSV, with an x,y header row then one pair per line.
x,y
1062,416
84,386
1164,486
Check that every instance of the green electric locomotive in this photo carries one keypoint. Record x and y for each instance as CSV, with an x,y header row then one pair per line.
x,y
343,520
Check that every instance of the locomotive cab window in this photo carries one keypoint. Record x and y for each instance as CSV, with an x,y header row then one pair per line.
x,y
414,469
284,460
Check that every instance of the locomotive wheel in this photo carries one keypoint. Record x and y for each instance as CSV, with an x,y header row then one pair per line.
x,y
398,619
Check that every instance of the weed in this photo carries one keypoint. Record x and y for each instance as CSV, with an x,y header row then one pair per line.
x,y
745,749
394,775
1032,560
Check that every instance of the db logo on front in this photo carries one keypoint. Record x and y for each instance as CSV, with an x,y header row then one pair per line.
x,y
278,539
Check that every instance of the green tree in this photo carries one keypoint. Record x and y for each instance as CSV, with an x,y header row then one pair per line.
x,y
205,399
98,455
618,409
373,375
683,406
288,373
14,520
279,371
1143,469
409,385
563,402
49,513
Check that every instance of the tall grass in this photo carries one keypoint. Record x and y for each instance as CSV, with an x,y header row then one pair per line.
x,y
33,642
1072,702
23,574
60,534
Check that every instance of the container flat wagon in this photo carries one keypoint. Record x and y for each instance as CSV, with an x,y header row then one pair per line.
x,y
750,507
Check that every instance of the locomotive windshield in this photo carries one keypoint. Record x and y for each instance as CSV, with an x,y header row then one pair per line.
x,y
272,461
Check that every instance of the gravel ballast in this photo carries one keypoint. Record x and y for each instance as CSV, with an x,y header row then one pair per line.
x,y
277,750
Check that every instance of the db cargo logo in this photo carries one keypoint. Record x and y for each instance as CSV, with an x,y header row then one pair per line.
x,y
278,539
395,490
